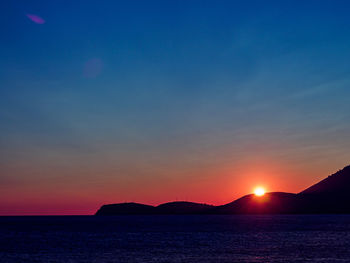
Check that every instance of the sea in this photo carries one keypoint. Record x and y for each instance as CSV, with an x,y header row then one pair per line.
x,y
236,238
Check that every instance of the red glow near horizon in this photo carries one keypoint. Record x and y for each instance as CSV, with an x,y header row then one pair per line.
x,y
219,185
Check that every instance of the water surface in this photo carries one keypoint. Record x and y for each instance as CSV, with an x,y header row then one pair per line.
x,y
287,238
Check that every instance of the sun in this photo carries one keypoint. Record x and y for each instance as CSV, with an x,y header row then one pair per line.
x,y
259,191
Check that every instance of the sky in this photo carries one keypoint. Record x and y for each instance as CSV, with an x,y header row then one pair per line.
x,y
155,101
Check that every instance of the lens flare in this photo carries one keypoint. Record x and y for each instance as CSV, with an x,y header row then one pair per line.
x,y
36,19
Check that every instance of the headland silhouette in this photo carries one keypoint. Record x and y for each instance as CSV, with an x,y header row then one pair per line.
x,y
329,196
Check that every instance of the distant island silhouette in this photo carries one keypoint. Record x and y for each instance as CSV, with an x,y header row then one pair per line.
x,y
329,196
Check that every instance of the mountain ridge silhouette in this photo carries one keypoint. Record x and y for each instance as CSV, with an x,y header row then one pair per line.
x,y
328,196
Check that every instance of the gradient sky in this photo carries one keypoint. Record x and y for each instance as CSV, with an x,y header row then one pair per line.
x,y
154,101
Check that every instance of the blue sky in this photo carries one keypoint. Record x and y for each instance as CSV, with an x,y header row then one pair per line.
x,y
160,93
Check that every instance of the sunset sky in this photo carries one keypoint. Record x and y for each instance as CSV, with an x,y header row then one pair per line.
x,y
155,101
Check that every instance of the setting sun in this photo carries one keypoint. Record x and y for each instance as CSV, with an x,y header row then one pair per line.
x,y
259,191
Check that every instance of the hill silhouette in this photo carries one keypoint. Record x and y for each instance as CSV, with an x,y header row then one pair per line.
x,y
182,207
126,209
270,203
338,183
178,207
331,195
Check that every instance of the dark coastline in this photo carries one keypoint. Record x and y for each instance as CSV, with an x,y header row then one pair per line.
x,y
329,196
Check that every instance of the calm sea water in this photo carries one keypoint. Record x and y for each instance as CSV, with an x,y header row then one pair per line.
x,y
175,239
